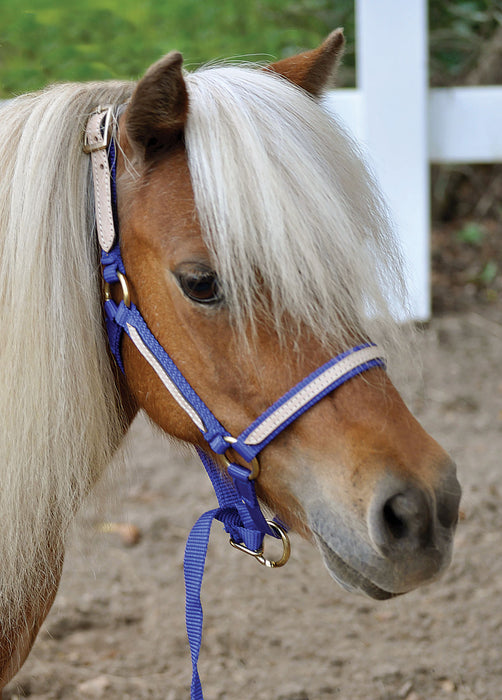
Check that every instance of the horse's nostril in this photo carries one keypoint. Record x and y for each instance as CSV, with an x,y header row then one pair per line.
x,y
401,518
407,516
395,523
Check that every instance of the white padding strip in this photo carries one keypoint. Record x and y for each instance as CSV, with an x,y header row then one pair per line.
x,y
310,391
165,378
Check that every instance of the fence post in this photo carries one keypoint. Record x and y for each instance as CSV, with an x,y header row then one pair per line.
x,y
392,75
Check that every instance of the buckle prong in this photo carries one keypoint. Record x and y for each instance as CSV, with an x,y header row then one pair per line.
x,y
102,141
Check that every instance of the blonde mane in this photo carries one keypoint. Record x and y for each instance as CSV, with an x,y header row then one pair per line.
x,y
59,410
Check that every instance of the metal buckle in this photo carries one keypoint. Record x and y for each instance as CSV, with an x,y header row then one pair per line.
x,y
253,465
259,556
99,142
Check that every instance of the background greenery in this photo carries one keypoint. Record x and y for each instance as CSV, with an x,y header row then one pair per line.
x,y
43,41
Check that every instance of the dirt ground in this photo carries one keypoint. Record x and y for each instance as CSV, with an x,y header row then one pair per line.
x,y
117,628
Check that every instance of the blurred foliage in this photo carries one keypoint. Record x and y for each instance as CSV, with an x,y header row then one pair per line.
x,y
489,273
472,233
458,31
43,42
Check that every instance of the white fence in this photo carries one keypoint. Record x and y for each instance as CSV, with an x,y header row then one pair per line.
x,y
404,126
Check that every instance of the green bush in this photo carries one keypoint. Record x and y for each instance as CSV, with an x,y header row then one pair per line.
x,y
101,39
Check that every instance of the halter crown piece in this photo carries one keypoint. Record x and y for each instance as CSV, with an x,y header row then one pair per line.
x,y
239,509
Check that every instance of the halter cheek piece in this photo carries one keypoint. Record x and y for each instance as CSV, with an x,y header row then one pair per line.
x,y
239,509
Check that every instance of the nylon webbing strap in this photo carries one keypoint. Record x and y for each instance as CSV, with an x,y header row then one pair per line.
x,y
240,530
275,419
193,567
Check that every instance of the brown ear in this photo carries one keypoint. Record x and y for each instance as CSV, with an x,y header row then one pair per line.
x,y
158,109
314,71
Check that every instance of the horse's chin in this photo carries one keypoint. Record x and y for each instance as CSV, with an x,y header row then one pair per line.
x,y
346,576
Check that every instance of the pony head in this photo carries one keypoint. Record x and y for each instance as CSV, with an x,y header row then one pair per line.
x,y
257,246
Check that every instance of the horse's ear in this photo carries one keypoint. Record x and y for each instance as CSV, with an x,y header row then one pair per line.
x,y
315,70
158,109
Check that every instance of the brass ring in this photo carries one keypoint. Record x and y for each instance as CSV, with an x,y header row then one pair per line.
x,y
286,548
107,291
126,297
253,465
258,555
125,290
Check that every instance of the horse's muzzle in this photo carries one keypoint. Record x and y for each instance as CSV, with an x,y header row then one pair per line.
x,y
407,540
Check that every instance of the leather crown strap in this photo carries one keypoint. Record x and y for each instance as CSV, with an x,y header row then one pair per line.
x,y
239,509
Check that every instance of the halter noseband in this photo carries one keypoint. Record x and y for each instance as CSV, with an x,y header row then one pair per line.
x,y
239,509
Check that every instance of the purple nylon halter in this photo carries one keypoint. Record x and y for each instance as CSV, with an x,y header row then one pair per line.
x,y
239,509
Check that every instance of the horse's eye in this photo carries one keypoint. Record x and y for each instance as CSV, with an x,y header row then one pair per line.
x,y
200,286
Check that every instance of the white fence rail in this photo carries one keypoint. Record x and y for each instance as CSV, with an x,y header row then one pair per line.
x,y
404,126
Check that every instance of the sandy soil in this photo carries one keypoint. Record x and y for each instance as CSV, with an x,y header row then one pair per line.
x,y
117,628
